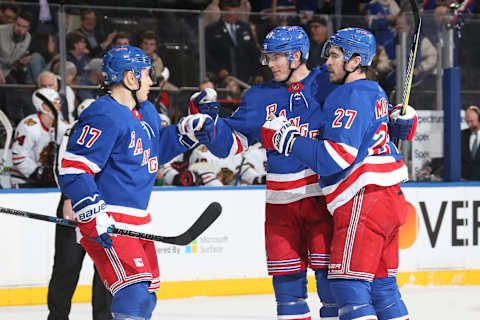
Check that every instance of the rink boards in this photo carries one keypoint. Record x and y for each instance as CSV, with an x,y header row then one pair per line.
x,y
439,242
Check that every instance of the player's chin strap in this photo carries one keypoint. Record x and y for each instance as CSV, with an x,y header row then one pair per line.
x,y
292,70
347,73
133,91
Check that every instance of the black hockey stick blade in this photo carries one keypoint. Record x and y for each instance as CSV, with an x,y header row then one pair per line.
x,y
203,222
206,219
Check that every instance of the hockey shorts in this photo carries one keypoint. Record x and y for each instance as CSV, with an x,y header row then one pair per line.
x,y
297,235
129,261
365,234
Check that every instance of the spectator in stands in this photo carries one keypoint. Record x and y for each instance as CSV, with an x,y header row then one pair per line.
x,y
230,45
43,54
470,144
97,43
148,42
380,67
121,39
93,77
47,79
15,40
8,13
381,16
318,34
68,101
426,54
234,92
33,149
14,58
77,51
213,14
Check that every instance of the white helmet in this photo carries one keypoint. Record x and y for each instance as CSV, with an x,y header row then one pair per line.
x,y
39,95
84,105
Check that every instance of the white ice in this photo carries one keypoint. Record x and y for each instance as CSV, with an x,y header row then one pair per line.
x,y
424,303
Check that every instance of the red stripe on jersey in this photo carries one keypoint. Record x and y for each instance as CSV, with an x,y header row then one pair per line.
x,y
367,167
341,152
287,185
128,219
17,158
239,144
77,165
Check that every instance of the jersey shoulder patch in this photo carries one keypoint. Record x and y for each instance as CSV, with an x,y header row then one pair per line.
x,y
30,122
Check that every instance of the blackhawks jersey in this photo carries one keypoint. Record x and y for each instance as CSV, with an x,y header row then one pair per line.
x,y
31,147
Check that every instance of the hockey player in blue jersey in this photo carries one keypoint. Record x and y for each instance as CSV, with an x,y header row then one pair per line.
x,y
108,170
360,171
298,226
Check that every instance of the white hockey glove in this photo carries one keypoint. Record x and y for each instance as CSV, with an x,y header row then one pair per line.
x,y
94,222
279,134
194,129
402,127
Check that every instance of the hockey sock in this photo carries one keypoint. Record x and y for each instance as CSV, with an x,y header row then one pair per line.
x,y
353,299
329,309
290,293
387,299
133,302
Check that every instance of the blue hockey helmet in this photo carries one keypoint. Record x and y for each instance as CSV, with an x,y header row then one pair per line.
x,y
353,41
120,59
287,39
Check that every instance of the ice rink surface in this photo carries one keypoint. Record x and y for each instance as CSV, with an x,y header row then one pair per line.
x,y
424,303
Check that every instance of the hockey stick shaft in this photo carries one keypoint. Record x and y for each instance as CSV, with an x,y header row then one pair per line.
x,y
210,214
407,86
8,137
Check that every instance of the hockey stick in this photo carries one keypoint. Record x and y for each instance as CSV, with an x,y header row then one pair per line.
x,y
411,57
8,138
208,216
407,85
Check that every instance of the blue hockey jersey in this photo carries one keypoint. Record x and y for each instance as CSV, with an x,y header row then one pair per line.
x,y
288,179
355,149
113,155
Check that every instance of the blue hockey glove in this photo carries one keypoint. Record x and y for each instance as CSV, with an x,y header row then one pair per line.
x,y
402,127
207,133
279,134
204,102
194,129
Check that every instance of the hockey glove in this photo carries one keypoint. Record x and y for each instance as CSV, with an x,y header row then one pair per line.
x,y
43,176
94,222
279,134
402,127
204,102
189,127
